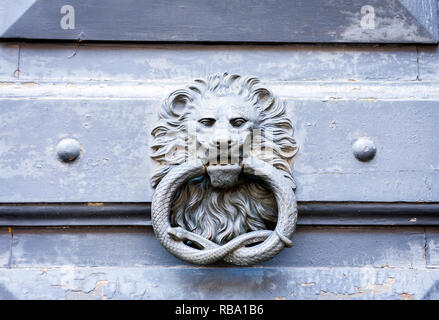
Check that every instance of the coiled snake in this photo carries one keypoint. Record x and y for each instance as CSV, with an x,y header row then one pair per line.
x,y
237,250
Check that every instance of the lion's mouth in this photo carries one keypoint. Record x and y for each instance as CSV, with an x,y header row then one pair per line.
x,y
224,175
224,168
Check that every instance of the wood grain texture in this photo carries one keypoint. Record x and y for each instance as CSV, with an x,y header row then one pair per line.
x,y
404,21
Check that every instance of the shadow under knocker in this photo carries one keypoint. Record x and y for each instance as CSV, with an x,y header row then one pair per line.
x,y
219,202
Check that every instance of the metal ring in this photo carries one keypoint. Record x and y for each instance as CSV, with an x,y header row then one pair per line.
x,y
234,251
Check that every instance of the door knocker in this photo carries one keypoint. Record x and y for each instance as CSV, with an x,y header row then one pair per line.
x,y
224,185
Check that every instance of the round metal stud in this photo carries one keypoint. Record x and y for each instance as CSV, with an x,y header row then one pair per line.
x,y
68,149
364,149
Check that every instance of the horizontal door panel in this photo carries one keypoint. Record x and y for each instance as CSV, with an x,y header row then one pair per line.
x,y
184,62
114,164
379,21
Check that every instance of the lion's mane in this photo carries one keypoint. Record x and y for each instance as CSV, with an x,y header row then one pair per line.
x,y
218,214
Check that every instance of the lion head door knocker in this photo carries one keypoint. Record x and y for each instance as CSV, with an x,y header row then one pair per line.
x,y
224,186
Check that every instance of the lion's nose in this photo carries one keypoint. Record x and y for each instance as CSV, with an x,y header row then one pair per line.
x,y
222,139
221,143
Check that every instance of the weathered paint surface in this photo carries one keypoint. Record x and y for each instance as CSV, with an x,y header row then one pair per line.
x,y
432,247
339,283
106,96
9,57
334,94
128,263
137,246
114,137
164,63
394,21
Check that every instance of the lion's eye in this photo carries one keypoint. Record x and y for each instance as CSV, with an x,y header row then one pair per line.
x,y
237,122
207,122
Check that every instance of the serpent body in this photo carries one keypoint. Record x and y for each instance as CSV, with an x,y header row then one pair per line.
x,y
234,251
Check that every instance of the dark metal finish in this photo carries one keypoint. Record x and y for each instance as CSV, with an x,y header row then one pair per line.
x,y
382,21
68,149
372,214
78,214
139,214
364,149
217,183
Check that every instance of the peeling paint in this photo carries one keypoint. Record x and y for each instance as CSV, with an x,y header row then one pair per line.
x,y
407,296
107,283
308,284
95,204
389,86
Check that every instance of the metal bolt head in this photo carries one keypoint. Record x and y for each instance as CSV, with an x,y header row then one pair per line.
x,y
68,149
364,149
